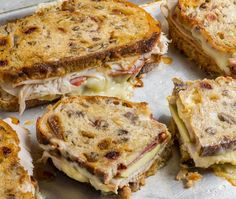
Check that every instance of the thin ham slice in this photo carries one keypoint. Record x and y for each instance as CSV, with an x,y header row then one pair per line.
x,y
78,81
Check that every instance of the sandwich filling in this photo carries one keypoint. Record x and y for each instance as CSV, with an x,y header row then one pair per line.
x,y
191,148
114,80
24,156
122,178
225,61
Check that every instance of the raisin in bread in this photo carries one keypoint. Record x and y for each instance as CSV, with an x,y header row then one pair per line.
x,y
204,111
205,31
16,167
108,142
73,35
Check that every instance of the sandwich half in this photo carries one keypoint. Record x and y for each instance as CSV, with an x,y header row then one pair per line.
x,y
16,167
204,113
76,47
205,31
110,143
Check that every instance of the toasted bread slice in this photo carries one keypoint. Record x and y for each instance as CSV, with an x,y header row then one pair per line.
x,y
108,141
16,163
73,35
205,32
204,113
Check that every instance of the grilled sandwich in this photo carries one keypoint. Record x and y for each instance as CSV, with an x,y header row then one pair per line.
x,y
204,112
76,47
205,31
110,143
16,167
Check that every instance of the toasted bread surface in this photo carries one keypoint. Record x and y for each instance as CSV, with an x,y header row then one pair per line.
x,y
100,133
207,108
15,181
74,35
214,20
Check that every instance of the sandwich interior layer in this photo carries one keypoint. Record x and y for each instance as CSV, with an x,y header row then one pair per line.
x,y
114,79
221,58
131,174
191,148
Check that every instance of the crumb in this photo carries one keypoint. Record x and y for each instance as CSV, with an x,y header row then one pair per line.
x,y
167,60
192,178
28,122
138,83
15,120
187,177
142,181
125,193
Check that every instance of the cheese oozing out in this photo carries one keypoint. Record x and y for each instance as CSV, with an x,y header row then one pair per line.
x,y
200,161
131,174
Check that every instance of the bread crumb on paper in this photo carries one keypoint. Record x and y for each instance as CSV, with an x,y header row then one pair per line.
x,y
28,122
187,177
167,60
15,120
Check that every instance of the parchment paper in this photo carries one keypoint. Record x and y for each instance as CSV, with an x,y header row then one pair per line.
x,y
157,86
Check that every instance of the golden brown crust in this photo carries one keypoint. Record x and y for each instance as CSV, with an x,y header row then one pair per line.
x,y
41,67
67,65
203,15
193,51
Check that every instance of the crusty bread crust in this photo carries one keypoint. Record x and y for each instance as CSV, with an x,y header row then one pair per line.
x,y
68,65
193,50
58,66
204,15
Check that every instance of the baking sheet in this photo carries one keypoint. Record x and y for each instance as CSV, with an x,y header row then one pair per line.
x,y
157,86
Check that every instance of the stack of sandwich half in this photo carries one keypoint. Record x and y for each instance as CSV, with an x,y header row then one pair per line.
x,y
88,52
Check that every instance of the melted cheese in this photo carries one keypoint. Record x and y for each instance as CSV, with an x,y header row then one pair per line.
x,y
82,175
97,83
206,161
221,59
144,160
